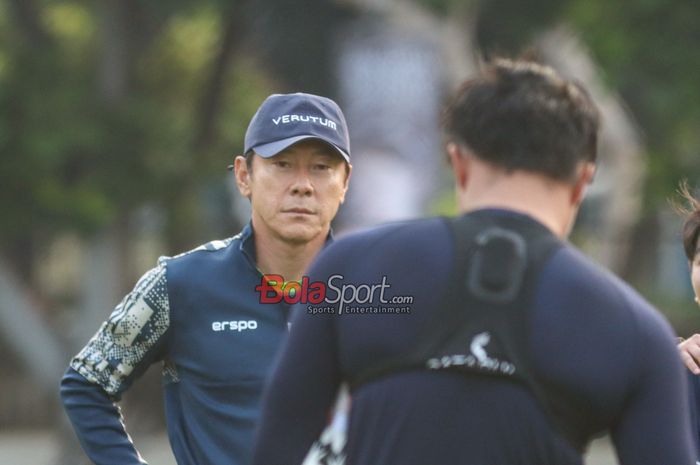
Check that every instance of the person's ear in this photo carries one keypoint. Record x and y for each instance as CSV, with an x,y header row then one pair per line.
x,y
585,178
243,175
459,163
348,172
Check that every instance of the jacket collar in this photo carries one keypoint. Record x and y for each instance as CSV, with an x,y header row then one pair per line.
x,y
247,246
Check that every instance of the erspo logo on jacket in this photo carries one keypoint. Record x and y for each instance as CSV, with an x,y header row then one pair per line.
x,y
240,325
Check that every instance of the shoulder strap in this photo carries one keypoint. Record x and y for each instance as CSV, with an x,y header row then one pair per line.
x,y
481,325
471,233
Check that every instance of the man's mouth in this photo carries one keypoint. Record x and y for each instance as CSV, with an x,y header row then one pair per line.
x,y
298,211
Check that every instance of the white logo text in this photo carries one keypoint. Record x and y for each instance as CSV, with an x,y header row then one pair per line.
x,y
240,325
286,119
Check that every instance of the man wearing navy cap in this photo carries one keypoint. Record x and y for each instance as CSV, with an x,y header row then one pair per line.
x,y
199,313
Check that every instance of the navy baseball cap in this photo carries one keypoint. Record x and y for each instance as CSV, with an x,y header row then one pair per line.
x,y
285,119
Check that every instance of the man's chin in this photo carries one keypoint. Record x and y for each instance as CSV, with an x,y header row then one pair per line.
x,y
300,234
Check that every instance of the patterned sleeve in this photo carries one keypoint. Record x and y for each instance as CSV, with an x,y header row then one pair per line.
x,y
132,337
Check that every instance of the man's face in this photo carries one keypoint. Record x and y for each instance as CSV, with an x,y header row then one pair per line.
x,y
295,194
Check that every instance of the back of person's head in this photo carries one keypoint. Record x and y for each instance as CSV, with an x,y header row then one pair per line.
x,y
690,209
521,115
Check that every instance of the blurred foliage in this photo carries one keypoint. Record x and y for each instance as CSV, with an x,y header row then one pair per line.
x,y
508,26
449,7
298,40
646,50
72,157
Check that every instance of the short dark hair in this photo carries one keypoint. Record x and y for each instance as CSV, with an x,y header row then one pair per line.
x,y
691,224
250,154
249,160
522,115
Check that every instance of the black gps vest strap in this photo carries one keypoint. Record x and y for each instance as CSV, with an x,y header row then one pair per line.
x,y
482,324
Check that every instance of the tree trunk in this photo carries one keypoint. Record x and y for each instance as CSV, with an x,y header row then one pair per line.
x,y
26,13
182,203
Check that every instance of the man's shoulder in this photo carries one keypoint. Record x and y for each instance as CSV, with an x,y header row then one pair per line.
x,y
390,249
409,233
207,250
575,282
571,267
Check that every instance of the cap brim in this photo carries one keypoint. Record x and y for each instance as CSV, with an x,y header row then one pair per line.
x,y
273,148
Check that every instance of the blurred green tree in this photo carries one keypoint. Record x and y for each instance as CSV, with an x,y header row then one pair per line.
x,y
646,51
107,105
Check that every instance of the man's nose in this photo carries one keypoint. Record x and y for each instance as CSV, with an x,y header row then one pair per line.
x,y
302,183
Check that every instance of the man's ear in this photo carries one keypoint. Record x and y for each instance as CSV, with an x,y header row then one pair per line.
x,y
459,163
348,172
242,175
585,177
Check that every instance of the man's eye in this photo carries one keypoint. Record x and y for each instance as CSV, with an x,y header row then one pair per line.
x,y
321,167
282,163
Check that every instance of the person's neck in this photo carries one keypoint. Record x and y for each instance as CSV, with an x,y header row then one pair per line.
x,y
546,201
274,255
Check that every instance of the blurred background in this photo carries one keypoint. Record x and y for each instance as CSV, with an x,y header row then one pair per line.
x,y
118,118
